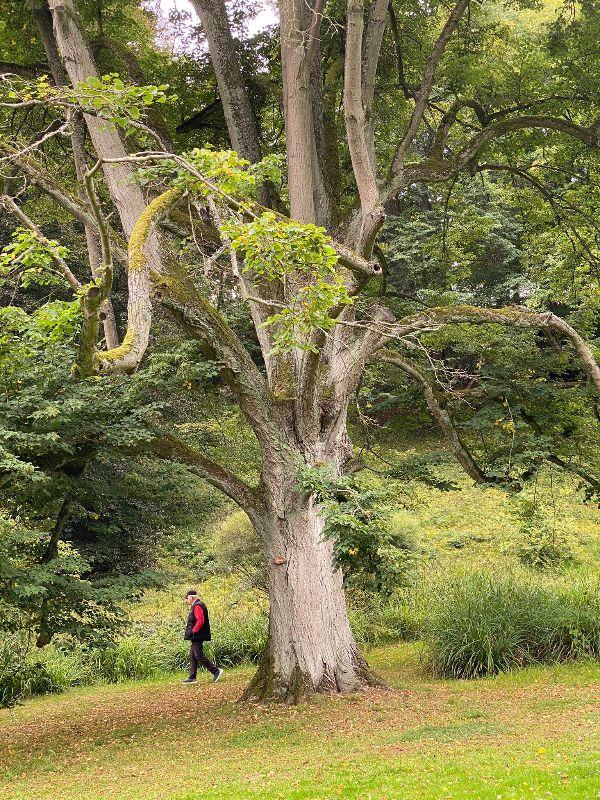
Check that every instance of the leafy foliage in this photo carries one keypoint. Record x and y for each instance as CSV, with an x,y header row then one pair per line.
x,y
31,260
373,555
277,249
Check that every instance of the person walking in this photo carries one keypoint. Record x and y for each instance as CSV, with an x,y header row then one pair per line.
x,y
197,631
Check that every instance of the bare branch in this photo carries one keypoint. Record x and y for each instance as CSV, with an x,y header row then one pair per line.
x,y
314,28
511,316
53,130
427,84
436,169
441,416
72,204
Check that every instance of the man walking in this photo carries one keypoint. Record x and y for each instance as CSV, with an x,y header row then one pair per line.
x,y
197,631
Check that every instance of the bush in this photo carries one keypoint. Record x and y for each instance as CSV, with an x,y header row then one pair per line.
x,y
377,620
542,544
481,625
543,548
19,676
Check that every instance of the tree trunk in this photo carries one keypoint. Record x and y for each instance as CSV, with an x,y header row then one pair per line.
x,y
79,64
241,124
310,647
43,20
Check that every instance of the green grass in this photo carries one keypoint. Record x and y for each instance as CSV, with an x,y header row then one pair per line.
x,y
528,735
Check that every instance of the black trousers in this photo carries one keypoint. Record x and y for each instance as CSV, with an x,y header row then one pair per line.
x,y
197,657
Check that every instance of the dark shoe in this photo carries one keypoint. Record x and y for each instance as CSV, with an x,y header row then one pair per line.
x,y
189,680
217,675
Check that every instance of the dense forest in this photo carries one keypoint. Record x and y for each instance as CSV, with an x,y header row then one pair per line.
x,y
261,286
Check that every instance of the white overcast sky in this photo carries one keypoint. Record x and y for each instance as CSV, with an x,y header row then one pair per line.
x,y
268,15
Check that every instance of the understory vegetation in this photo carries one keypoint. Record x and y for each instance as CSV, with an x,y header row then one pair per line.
x,y
464,594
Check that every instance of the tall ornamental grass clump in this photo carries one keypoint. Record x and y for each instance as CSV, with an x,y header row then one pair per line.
x,y
130,658
482,625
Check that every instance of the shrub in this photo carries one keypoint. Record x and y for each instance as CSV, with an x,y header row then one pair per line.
x,y
542,544
481,625
543,548
19,676
377,620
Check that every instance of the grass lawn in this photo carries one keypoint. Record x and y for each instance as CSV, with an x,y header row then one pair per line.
x,y
532,734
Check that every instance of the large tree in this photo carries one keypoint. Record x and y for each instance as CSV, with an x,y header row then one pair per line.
x,y
309,290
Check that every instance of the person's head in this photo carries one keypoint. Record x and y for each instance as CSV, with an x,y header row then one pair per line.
x,y
191,597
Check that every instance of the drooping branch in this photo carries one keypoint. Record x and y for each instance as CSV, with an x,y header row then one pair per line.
x,y
424,91
537,184
569,466
440,414
435,169
589,136
592,482
170,448
511,316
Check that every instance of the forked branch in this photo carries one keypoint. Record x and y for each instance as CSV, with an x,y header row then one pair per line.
x,y
424,91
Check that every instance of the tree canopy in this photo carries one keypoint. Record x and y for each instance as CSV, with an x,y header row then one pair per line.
x,y
370,205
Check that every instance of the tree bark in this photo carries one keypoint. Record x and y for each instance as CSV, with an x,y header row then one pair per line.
x,y
125,193
311,647
299,26
241,124
43,20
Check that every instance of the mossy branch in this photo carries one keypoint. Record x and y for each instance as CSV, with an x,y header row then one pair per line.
x,y
128,354
98,291
511,316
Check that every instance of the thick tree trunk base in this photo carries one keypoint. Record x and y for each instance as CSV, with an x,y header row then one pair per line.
x,y
267,686
310,648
